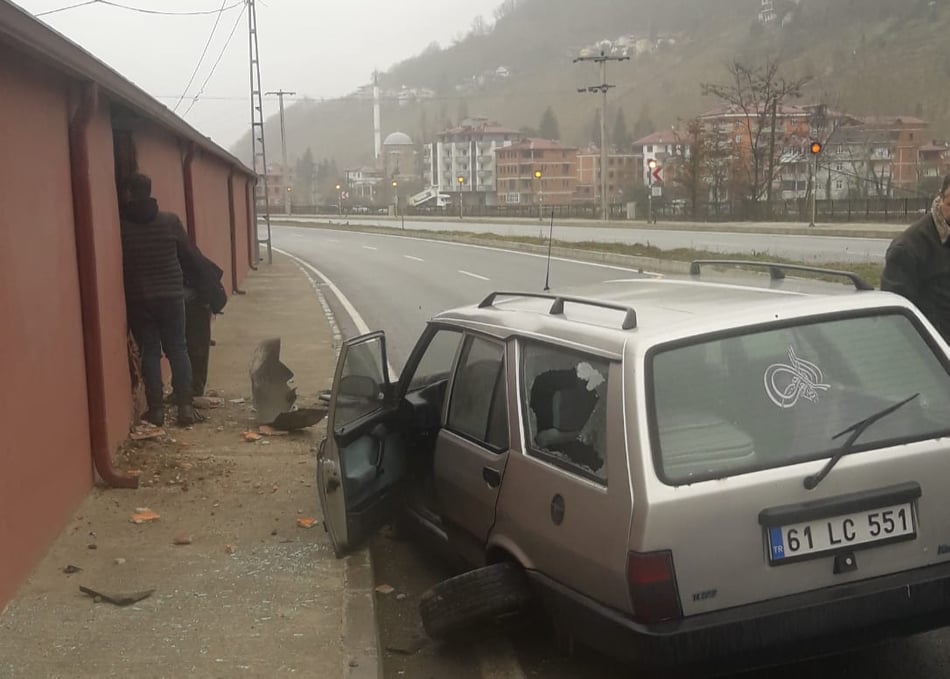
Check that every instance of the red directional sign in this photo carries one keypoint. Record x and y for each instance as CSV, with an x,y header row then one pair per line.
x,y
658,173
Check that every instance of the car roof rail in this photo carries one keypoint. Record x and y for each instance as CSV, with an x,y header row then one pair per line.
x,y
777,270
557,308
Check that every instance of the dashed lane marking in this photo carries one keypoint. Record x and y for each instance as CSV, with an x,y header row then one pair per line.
x,y
473,275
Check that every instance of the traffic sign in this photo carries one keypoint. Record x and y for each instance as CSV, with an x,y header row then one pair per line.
x,y
657,173
345,195
657,191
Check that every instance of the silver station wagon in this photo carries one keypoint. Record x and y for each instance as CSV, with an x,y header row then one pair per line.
x,y
683,472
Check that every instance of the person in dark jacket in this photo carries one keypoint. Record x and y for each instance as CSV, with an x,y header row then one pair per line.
x,y
155,249
204,297
917,263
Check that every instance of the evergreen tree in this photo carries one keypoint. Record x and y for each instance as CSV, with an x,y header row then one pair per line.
x,y
621,137
549,128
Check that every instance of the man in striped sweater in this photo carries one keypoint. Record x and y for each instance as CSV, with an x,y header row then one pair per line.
x,y
155,249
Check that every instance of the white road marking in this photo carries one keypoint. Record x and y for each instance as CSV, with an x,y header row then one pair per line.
x,y
473,275
417,259
493,249
348,307
369,247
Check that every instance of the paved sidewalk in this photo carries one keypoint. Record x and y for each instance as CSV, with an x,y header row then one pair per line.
x,y
254,594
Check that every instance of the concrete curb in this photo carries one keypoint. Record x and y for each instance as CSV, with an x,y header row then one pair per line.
x,y
361,644
859,230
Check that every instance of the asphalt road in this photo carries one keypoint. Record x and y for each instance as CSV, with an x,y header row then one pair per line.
x,y
396,284
807,248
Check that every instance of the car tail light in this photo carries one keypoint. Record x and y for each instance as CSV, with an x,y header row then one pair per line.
x,y
652,582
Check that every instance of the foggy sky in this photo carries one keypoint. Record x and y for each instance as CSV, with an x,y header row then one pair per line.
x,y
318,48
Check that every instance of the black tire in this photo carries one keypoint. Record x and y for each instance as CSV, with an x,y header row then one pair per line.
x,y
458,603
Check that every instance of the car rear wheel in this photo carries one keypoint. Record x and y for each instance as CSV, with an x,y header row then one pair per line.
x,y
458,603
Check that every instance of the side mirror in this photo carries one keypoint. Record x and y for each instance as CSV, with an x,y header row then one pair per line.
x,y
358,386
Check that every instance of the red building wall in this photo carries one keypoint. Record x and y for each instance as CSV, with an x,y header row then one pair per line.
x,y
212,217
239,200
160,156
45,454
44,450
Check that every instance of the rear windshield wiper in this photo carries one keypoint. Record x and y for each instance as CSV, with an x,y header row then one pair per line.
x,y
856,429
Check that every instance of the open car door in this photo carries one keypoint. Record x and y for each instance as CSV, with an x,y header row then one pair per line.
x,y
361,460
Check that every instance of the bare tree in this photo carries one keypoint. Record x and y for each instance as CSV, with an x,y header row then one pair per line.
x,y
692,175
758,93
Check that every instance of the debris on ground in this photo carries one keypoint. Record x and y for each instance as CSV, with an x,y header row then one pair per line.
x,y
306,522
408,645
117,599
182,539
143,515
142,432
207,402
385,589
69,569
299,419
251,436
236,401
271,381
118,561
268,430
229,549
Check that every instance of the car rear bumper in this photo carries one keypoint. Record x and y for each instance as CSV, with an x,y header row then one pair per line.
x,y
762,634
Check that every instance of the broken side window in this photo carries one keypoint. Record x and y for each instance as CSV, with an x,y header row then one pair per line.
x,y
565,405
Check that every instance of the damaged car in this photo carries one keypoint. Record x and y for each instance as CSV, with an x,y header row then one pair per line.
x,y
683,473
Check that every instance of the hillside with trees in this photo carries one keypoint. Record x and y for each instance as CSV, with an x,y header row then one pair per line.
x,y
863,57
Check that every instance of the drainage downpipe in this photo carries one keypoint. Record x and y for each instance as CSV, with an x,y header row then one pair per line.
x,y
190,192
89,289
253,247
232,222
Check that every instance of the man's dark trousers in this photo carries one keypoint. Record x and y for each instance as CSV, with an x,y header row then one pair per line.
x,y
159,325
198,337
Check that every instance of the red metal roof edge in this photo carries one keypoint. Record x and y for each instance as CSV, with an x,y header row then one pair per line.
x,y
25,33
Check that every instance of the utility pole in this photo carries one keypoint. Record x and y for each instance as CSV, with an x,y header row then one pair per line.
x,y
602,89
280,94
258,149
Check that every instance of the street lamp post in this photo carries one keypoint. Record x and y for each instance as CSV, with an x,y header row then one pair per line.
x,y
395,198
538,176
339,195
461,181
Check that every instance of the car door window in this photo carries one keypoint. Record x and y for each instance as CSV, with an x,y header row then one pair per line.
x,y
565,404
436,362
479,407
360,389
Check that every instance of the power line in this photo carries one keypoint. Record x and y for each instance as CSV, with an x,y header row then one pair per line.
x,y
142,10
214,28
215,65
63,9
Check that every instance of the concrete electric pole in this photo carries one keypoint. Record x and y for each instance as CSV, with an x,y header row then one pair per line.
x,y
602,89
280,94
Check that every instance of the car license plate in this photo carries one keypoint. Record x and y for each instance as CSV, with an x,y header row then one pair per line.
x,y
857,530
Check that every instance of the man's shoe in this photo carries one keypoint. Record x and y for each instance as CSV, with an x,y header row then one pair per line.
x,y
155,416
186,416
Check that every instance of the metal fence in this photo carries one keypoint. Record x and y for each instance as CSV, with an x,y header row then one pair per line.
x,y
853,210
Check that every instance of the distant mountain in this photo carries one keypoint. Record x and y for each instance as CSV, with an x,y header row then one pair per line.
x,y
865,57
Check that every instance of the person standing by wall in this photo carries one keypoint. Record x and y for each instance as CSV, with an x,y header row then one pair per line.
x,y
155,248
204,297
917,263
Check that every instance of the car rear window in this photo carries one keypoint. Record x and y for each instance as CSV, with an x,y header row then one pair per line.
x,y
774,397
